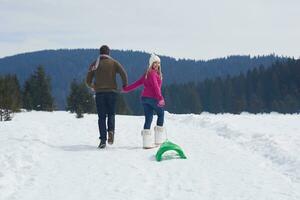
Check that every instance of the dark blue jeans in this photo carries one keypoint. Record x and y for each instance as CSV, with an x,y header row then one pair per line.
x,y
106,108
150,105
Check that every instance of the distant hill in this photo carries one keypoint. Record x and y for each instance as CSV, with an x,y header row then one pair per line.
x,y
65,65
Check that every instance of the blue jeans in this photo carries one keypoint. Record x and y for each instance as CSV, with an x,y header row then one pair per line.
x,y
106,108
150,105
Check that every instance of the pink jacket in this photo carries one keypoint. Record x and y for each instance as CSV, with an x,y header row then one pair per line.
x,y
152,85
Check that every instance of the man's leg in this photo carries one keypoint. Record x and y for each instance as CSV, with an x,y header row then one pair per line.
x,y
111,99
100,103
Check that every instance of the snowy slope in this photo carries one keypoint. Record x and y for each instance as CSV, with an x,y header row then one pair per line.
x,y
53,156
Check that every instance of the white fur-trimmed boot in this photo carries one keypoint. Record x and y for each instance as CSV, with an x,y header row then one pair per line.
x,y
148,139
159,135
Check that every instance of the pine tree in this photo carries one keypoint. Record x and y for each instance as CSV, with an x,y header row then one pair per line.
x,y
216,96
228,95
172,99
122,107
291,104
205,94
193,104
133,102
80,99
14,93
37,92
2,93
10,97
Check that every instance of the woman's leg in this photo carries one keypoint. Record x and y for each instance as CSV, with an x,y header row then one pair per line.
x,y
148,111
160,115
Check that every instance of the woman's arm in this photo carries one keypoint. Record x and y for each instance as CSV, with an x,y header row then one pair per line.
x,y
134,85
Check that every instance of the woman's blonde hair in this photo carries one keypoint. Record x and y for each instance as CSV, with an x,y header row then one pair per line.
x,y
159,71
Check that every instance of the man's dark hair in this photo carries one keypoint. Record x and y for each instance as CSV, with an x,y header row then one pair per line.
x,y
104,50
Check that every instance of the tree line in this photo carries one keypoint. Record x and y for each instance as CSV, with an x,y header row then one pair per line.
x,y
261,90
36,94
275,88
66,64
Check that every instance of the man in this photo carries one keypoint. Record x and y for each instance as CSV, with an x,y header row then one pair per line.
x,y
101,78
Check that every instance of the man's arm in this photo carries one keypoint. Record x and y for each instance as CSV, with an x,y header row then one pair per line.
x,y
90,76
122,73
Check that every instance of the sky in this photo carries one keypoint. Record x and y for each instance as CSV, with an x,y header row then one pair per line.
x,y
191,29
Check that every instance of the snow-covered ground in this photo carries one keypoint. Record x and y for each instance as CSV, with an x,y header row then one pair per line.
x,y
53,156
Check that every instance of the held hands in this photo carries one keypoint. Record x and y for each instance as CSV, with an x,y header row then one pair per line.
x,y
124,89
161,103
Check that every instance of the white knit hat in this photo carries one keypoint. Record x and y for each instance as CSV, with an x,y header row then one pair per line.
x,y
153,58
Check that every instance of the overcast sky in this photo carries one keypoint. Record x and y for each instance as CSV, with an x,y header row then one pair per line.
x,y
195,29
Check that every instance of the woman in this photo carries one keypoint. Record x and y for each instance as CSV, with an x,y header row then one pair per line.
x,y
152,100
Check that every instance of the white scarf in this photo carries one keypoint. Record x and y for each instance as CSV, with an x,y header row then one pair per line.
x,y
98,61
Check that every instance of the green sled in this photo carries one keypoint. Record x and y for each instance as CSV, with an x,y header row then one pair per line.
x,y
169,146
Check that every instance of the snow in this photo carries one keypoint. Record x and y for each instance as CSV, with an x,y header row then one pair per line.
x,y
53,155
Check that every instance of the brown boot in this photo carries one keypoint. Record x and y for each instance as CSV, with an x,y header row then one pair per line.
x,y
110,139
